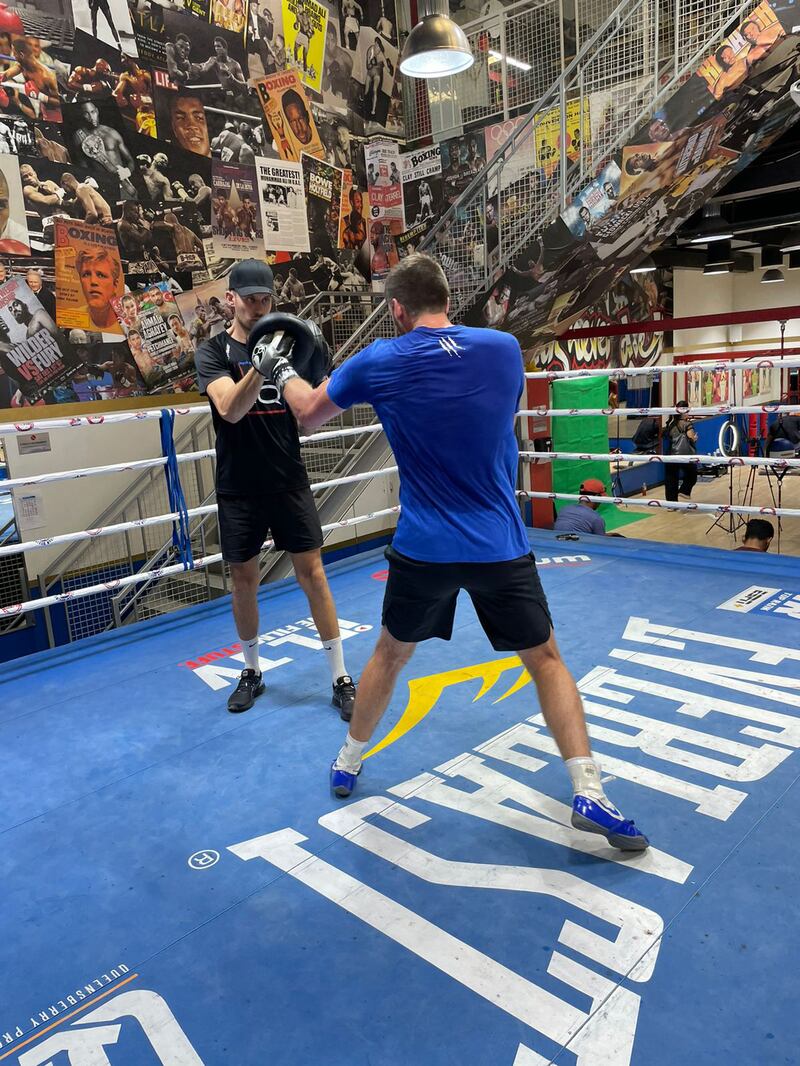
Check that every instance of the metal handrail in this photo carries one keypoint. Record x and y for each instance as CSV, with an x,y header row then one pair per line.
x,y
163,556
124,499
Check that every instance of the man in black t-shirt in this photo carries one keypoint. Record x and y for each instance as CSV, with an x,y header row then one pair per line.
x,y
262,485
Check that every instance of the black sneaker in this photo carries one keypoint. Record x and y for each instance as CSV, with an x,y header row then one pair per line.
x,y
250,686
344,697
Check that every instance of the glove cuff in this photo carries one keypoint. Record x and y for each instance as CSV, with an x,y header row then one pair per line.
x,y
282,373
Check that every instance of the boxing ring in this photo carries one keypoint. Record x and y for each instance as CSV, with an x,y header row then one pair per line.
x,y
181,888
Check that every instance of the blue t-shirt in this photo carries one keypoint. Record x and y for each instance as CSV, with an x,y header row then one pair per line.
x,y
447,399
575,518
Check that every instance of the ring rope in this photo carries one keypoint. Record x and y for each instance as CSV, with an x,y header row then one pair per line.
x,y
148,575
622,458
141,523
691,412
765,362
669,505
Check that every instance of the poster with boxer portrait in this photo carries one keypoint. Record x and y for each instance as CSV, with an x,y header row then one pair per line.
x,y
208,61
421,171
14,236
289,116
28,83
323,191
304,29
204,310
30,344
384,180
88,276
157,337
235,214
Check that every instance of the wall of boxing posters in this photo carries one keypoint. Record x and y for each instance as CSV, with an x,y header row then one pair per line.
x,y
145,146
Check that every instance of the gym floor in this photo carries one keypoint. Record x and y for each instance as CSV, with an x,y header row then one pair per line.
x,y
679,527
180,887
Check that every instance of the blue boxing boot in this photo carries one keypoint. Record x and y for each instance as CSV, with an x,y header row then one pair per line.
x,y
343,782
346,767
601,816
593,812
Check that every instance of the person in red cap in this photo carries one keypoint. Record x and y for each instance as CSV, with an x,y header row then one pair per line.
x,y
582,517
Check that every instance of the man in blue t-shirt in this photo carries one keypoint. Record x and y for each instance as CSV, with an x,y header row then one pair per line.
x,y
447,396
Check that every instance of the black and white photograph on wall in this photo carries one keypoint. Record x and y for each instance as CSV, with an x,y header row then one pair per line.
x,y
421,171
337,71
93,131
181,116
52,190
165,172
342,140
51,20
266,43
323,191
42,140
108,21
209,60
147,19
283,206
374,75
235,214
410,240
238,138
462,158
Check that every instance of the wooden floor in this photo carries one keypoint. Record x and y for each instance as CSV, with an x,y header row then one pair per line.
x,y
677,527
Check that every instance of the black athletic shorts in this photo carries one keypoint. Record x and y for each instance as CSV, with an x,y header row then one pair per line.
x,y
245,522
420,600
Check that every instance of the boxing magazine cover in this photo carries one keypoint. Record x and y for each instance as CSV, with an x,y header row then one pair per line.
x,y
235,218
88,276
156,335
283,207
289,117
421,172
29,345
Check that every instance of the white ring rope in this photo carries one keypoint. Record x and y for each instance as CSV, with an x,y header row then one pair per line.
x,y
669,505
690,412
148,575
769,361
623,458
140,523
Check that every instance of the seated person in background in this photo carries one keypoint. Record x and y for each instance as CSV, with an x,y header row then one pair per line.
x,y
645,439
786,427
582,517
758,534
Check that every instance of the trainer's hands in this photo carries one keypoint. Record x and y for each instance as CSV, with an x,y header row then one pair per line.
x,y
270,357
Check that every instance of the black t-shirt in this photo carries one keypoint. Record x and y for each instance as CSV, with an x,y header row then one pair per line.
x,y
260,453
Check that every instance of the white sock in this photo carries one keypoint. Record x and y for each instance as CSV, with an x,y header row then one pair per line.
x,y
349,758
333,650
250,649
585,775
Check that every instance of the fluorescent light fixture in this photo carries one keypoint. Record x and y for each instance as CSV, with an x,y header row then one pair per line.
x,y
497,57
437,46
713,227
716,268
646,266
772,277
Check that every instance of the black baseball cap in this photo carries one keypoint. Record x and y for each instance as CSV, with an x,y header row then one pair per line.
x,y
251,276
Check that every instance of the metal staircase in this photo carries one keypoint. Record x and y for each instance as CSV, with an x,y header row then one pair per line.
x,y
635,59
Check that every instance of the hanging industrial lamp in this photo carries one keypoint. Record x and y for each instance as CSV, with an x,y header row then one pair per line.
x,y
436,46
